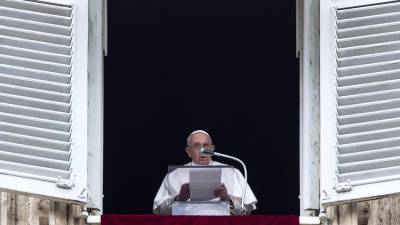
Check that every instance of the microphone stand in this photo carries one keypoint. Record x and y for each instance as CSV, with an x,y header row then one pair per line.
x,y
204,151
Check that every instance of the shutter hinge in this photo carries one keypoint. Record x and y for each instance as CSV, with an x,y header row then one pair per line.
x,y
343,187
325,196
64,183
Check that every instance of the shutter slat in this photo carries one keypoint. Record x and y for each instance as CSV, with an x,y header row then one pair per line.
x,y
36,55
34,112
368,78
39,94
369,165
27,170
35,35
369,68
35,26
35,16
368,97
369,107
38,7
35,84
34,141
368,117
34,161
369,155
367,11
368,59
368,40
35,151
369,87
368,20
369,174
368,136
369,125
368,30
34,103
35,45
368,49
34,132
35,74
35,122
369,145
35,64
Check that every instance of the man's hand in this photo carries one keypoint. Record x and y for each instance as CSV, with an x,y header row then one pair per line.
x,y
222,193
184,193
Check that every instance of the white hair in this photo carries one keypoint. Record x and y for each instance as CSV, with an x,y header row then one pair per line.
x,y
197,131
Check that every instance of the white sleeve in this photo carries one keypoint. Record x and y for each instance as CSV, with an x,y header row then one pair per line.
x,y
250,198
163,201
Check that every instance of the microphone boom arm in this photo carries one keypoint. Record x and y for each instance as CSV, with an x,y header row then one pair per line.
x,y
244,168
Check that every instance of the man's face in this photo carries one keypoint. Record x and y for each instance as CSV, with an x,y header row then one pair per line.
x,y
198,139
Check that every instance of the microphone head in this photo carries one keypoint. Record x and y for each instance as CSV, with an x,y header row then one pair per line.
x,y
205,151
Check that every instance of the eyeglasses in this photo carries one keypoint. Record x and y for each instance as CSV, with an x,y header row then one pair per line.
x,y
197,146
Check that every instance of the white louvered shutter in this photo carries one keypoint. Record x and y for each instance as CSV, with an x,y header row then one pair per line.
x,y
43,97
360,100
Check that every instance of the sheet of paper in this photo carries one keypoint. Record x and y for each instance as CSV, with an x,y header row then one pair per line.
x,y
203,182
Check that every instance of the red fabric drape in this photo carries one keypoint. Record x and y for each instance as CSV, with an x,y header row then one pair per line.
x,y
197,220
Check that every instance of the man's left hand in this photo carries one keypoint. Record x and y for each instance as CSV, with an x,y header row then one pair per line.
x,y
222,193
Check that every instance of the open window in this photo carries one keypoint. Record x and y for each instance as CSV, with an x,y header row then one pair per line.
x,y
43,98
360,99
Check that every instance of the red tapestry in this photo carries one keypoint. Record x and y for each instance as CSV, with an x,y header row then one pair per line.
x,y
197,220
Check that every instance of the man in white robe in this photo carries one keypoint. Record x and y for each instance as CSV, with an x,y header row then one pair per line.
x,y
175,186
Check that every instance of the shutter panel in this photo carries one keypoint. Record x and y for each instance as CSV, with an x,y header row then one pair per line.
x,y
37,56
368,83
360,100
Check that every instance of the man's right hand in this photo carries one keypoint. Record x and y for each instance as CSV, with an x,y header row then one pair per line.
x,y
184,193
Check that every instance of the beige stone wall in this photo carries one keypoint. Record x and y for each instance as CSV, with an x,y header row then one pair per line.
x,y
385,211
23,210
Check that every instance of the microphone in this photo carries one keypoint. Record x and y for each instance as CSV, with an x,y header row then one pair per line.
x,y
208,152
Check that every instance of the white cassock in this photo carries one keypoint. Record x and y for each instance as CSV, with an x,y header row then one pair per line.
x,y
172,183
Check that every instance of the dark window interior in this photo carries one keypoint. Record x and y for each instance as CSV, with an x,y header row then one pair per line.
x,y
225,66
